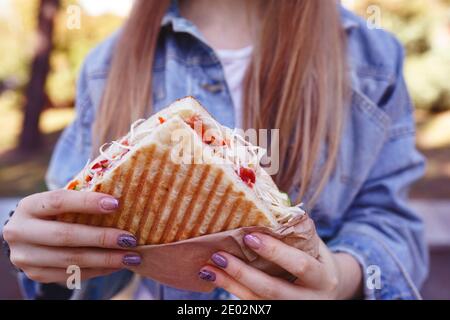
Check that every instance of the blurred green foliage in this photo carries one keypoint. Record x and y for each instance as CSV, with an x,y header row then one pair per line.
x,y
70,48
17,24
423,26
17,34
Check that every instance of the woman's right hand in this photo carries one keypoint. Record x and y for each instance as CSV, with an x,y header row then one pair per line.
x,y
43,248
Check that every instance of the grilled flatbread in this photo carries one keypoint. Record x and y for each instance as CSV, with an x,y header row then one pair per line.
x,y
176,177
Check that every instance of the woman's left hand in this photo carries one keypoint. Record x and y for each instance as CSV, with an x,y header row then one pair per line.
x,y
331,276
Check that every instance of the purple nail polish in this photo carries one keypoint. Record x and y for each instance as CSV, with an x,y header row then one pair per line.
x,y
219,260
207,275
109,204
252,241
126,241
132,260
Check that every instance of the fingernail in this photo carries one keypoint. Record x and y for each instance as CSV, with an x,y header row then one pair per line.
x,y
219,260
207,275
127,241
252,241
109,203
132,260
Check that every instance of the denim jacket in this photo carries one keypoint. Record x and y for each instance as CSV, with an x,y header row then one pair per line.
x,y
363,210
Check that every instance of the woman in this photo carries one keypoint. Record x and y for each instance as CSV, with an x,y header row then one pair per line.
x,y
332,86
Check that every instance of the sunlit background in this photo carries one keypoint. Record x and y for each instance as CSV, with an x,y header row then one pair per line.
x,y
423,26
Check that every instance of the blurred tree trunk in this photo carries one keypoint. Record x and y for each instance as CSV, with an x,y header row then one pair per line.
x,y
35,97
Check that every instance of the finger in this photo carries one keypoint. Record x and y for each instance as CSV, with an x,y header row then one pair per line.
x,y
53,257
260,283
61,275
308,270
51,203
221,279
63,234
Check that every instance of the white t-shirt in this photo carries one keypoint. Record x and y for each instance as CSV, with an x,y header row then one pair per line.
x,y
235,63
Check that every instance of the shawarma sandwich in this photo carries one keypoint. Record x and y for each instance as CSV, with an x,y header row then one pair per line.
x,y
179,175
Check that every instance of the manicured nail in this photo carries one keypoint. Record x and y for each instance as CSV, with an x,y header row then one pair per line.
x,y
219,260
252,241
207,275
127,241
132,260
109,203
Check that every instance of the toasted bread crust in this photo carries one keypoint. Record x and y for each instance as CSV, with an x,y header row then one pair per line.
x,y
162,202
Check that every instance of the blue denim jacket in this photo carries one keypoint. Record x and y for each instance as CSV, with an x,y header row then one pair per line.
x,y
363,211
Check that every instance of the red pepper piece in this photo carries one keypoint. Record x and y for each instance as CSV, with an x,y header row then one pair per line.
x,y
96,166
194,120
209,140
248,176
196,123
213,140
161,119
101,164
73,185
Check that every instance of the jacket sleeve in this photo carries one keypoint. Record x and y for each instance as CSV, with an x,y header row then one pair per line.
x,y
380,229
70,155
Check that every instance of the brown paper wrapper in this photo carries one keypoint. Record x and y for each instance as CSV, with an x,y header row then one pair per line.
x,y
177,264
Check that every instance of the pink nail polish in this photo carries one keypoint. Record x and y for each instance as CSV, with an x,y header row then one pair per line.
x,y
207,275
252,241
109,203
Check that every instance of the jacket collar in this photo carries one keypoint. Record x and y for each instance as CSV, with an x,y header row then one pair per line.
x,y
348,19
179,23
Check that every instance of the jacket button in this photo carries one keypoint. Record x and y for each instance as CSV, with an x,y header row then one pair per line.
x,y
213,87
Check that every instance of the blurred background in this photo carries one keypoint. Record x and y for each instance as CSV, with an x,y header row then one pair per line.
x,y
42,46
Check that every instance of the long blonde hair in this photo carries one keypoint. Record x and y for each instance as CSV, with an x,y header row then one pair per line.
x,y
296,82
